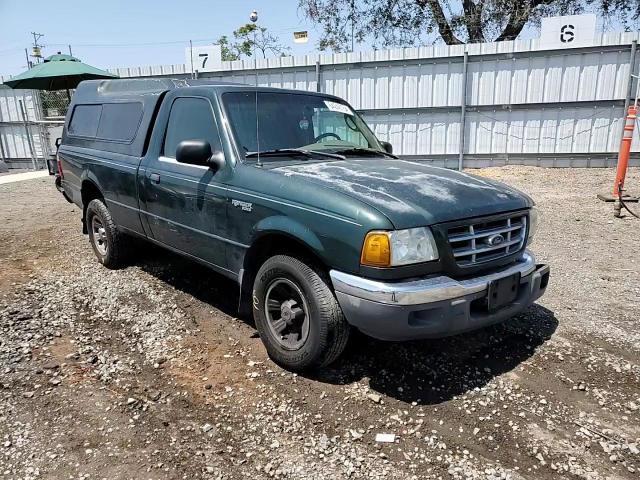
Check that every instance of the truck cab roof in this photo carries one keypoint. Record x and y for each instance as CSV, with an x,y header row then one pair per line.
x,y
95,91
118,115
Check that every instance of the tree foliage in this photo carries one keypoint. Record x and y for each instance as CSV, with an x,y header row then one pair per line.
x,y
388,23
245,38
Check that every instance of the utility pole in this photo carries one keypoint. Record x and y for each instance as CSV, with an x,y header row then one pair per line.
x,y
36,51
29,62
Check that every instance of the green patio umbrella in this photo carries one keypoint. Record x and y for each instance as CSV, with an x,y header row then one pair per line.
x,y
57,72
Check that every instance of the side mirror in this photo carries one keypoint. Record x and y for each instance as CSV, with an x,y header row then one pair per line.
x,y
387,147
198,152
58,142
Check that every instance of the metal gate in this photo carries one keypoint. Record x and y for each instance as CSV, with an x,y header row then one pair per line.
x,y
27,137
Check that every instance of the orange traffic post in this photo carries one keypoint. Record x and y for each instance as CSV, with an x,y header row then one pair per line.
x,y
625,151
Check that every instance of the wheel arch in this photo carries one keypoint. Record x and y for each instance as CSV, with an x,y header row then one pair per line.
x,y
276,241
89,190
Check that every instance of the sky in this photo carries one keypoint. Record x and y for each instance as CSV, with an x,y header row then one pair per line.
x,y
125,33
120,33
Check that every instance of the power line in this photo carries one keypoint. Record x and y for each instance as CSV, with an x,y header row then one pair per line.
x,y
13,49
169,42
141,44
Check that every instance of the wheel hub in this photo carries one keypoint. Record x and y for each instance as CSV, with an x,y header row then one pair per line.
x,y
99,235
285,310
290,311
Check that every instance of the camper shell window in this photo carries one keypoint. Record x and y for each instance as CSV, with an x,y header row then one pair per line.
x,y
110,122
85,119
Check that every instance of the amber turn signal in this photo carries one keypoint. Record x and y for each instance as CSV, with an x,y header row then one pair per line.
x,y
376,251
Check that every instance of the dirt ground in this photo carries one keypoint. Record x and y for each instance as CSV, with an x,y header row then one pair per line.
x,y
147,373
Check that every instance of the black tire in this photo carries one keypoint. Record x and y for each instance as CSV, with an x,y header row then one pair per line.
x,y
111,247
328,331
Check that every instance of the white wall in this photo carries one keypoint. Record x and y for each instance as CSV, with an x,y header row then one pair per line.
x,y
13,134
525,103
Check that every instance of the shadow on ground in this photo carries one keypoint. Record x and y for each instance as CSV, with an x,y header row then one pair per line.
x,y
426,372
433,371
190,277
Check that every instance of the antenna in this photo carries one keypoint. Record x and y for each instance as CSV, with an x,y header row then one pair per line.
x,y
254,18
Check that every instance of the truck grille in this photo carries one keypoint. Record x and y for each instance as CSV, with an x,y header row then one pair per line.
x,y
487,240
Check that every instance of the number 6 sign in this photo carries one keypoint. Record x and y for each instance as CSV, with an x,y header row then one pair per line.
x,y
568,31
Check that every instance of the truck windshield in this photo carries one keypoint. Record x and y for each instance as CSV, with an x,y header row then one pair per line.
x,y
288,121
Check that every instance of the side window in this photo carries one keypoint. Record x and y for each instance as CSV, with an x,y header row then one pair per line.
x,y
119,121
84,121
190,119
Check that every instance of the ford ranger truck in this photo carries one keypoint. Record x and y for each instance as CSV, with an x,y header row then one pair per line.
x,y
292,196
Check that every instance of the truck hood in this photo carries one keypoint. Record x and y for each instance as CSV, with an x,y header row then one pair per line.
x,y
409,193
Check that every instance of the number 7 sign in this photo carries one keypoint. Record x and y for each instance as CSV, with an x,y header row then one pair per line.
x,y
205,58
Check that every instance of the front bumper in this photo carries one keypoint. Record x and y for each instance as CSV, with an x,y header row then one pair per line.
x,y
433,307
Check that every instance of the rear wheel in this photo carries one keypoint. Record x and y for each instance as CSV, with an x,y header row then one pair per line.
x,y
108,243
297,314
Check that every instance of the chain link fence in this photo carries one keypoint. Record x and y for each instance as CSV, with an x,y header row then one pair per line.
x,y
54,106
55,103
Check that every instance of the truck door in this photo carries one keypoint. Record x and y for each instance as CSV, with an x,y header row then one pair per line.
x,y
185,205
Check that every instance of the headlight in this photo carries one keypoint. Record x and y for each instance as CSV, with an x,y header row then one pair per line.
x,y
534,217
399,247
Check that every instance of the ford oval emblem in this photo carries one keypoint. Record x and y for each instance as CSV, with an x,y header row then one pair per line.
x,y
495,240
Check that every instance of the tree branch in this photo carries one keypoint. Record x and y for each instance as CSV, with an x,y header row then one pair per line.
x,y
519,18
473,20
446,32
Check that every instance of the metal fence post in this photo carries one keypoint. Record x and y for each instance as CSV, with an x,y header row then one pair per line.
x,y
29,139
632,65
3,156
318,89
463,110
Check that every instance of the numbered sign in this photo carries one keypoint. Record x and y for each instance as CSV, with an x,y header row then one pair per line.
x,y
301,37
568,31
205,58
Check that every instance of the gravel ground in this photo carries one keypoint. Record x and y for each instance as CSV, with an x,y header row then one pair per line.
x,y
147,373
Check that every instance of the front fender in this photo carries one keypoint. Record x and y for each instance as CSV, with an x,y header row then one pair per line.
x,y
280,225
292,228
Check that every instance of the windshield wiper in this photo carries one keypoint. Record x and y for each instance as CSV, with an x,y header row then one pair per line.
x,y
293,151
365,151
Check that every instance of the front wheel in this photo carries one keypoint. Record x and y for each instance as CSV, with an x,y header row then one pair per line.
x,y
297,314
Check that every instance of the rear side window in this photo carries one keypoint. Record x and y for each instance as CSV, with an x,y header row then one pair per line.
x,y
119,121
84,121
191,119
112,122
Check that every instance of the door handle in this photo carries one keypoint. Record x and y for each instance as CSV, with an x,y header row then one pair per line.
x,y
154,177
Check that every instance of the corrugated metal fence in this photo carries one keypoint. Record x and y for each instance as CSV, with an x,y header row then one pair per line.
x,y
524,103
23,136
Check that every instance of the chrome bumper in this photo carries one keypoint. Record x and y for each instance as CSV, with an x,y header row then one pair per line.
x,y
426,290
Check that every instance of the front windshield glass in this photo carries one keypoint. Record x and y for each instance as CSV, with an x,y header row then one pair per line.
x,y
288,120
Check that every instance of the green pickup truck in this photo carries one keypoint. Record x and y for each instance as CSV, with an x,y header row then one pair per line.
x,y
292,196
